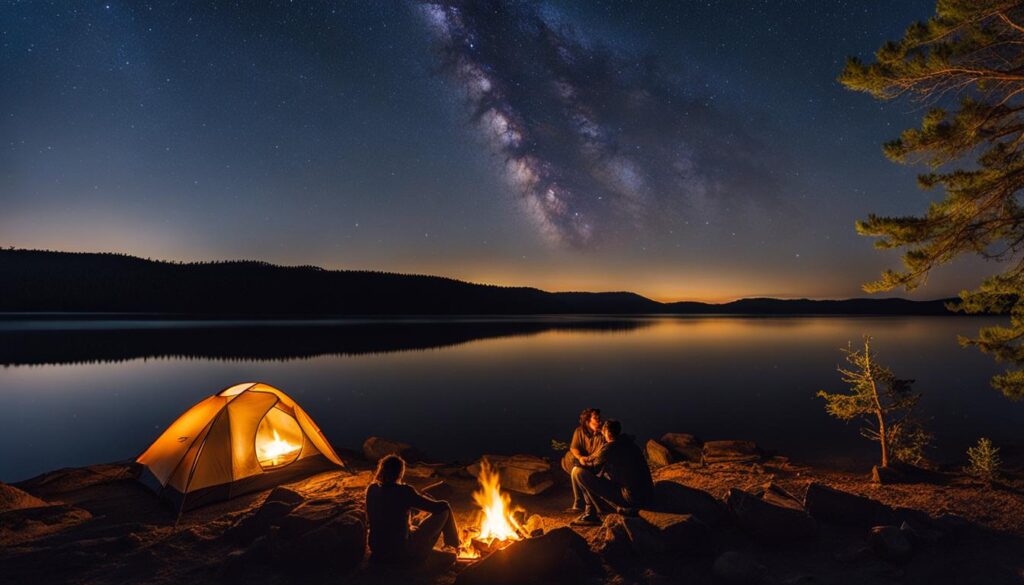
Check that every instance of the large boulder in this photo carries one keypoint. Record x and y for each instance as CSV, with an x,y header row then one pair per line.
x,y
559,556
677,498
686,447
640,535
320,535
526,474
730,452
735,568
11,498
658,455
832,506
768,522
296,535
376,448
655,532
681,532
889,543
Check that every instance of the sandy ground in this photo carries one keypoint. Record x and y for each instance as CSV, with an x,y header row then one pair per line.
x,y
103,527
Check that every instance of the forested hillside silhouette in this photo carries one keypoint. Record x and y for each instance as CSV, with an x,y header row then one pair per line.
x,y
47,281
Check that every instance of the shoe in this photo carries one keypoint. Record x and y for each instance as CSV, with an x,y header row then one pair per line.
x,y
587,520
574,509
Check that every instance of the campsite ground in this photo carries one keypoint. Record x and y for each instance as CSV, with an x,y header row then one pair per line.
x,y
100,526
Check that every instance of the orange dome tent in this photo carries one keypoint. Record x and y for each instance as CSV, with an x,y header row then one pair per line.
x,y
248,437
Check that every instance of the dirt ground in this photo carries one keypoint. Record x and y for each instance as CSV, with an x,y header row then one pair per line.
x,y
103,527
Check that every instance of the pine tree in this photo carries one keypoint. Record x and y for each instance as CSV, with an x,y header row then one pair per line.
x,y
885,402
984,461
966,64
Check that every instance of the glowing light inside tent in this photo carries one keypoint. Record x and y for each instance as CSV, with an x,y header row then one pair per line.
x,y
278,440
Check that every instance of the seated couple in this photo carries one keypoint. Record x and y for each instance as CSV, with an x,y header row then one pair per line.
x,y
609,471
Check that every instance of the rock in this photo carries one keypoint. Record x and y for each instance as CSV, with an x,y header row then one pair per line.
x,y
889,543
832,506
681,532
734,568
534,525
11,498
730,452
285,496
319,535
775,494
375,448
899,472
658,455
525,474
642,537
559,556
684,446
677,498
952,524
767,522
919,536
419,471
853,553
25,524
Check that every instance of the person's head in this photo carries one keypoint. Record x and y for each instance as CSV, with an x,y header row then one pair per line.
x,y
390,469
611,429
590,419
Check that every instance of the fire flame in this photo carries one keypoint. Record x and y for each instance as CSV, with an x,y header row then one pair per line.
x,y
496,526
275,452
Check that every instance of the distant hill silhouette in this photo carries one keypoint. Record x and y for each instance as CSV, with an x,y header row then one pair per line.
x,y
45,281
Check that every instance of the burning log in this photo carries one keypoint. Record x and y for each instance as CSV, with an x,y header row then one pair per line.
x,y
497,524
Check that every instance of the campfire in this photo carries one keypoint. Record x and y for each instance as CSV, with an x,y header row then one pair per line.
x,y
497,525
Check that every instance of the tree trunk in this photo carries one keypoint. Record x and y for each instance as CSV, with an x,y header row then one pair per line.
x,y
883,440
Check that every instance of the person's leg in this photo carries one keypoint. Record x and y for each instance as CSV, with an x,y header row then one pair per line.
x,y
423,538
597,488
569,462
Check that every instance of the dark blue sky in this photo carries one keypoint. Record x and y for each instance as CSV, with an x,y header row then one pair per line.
x,y
681,150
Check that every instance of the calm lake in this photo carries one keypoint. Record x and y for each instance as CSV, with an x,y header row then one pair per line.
x,y
78,392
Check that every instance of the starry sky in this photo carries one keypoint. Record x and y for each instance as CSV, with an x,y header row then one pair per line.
x,y
684,150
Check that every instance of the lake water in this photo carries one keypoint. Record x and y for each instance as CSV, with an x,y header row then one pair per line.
x,y
77,392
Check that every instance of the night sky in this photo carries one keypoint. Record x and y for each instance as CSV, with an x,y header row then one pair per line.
x,y
683,150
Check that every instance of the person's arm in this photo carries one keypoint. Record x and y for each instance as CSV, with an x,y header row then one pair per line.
x,y
576,447
425,503
600,457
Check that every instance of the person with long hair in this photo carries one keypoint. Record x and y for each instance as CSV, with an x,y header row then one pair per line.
x,y
389,506
586,440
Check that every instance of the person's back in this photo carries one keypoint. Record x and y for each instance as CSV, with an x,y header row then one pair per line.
x,y
388,507
624,463
389,504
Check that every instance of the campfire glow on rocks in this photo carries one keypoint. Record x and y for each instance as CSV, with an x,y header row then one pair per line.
x,y
496,524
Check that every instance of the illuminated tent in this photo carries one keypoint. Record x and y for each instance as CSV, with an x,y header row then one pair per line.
x,y
248,437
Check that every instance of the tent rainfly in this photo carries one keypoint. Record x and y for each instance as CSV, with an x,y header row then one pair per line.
x,y
248,437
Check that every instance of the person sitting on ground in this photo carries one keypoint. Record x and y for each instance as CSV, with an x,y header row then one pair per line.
x,y
389,504
623,481
586,440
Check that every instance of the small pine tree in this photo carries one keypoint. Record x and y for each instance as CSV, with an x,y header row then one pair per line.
x,y
885,402
983,461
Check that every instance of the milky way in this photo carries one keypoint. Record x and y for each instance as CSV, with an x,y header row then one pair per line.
x,y
600,145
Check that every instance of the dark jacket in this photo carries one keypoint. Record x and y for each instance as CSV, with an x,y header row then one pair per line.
x,y
624,463
387,514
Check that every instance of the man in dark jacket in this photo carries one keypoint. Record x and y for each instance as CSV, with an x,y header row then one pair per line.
x,y
623,481
389,503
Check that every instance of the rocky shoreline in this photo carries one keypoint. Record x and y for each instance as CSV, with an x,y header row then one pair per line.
x,y
725,513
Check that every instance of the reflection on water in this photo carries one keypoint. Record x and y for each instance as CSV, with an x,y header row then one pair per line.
x,y
78,395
